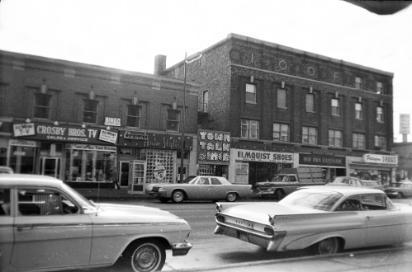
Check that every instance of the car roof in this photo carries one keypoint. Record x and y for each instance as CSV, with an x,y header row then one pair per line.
x,y
345,190
28,180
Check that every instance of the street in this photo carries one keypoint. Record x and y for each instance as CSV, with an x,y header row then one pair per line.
x,y
220,253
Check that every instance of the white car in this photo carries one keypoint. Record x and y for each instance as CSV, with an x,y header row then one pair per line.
x,y
46,225
326,219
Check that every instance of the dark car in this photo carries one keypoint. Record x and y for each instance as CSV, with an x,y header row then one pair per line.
x,y
400,190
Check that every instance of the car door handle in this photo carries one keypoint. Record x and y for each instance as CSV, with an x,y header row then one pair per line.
x,y
24,227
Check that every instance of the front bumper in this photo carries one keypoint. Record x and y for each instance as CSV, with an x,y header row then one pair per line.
x,y
180,249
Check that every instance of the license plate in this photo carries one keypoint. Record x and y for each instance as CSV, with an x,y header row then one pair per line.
x,y
245,223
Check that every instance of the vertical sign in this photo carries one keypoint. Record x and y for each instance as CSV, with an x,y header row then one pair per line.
x,y
404,124
214,146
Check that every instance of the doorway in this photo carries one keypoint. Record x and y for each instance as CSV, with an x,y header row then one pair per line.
x,y
138,173
50,166
124,173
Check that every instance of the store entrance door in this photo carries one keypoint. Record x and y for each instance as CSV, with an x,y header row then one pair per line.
x,y
138,172
124,173
50,166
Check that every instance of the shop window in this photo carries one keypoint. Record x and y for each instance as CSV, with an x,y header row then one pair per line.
x,y
205,101
335,138
335,107
250,93
358,111
309,135
310,102
380,142
358,141
22,159
41,105
90,111
134,114
281,132
249,129
172,122
160,166
379,114
282,99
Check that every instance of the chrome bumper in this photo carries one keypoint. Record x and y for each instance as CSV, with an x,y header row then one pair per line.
x,y
180,249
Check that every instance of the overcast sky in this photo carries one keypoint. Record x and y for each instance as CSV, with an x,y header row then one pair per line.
x,y
127,34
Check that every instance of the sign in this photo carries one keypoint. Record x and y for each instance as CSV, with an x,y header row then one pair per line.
x,y
112,121
141,139
404,124
135,135
93,147
108,136
377,158
261,156
23,143
25,129
322,160
214,146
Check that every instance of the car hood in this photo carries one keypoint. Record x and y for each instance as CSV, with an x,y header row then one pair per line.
x,y
135,213
259,212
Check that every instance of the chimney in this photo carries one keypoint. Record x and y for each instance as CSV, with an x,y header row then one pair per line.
x,y
160,64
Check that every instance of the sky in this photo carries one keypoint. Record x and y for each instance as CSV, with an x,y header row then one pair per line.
x,y
127,34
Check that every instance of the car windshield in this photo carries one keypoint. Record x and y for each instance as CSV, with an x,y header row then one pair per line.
x,y
312,199
80,199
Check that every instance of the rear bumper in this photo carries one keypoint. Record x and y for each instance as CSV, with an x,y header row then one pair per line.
x,y
180,249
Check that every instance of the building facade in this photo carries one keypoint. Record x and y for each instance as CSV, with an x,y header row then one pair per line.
x,y
89,125
288,108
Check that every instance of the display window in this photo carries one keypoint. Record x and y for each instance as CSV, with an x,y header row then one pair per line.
x,y
22,159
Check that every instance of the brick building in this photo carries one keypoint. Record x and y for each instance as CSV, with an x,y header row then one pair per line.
x,y
89,125
285,108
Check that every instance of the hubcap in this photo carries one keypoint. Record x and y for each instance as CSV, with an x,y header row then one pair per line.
x,y
145,258
178,196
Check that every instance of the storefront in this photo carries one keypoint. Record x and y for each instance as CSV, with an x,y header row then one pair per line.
x,y
147,158
377,167
331,166
251,166
213,152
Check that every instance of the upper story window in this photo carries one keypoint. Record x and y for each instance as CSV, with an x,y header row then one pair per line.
x,y
249,129
309,135
358,141
205,101
358,111
335,138
335,106
379,114
358,83
134,115
281,132
173,120
282,99
90,111
380,142
250,93
310,102
379,87
41,105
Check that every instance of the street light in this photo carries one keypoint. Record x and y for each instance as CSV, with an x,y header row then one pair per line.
x,y
182,143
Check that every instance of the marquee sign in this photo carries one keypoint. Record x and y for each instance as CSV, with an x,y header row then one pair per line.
x,y
214,146
261,156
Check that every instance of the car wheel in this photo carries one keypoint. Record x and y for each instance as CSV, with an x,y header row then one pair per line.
x,y
327,246
178,196
148,256
231,197
279,194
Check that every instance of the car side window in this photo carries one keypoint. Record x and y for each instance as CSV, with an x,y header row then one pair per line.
x,y
350,205
292,178
203,181
374,201
43,202
4,202
215,181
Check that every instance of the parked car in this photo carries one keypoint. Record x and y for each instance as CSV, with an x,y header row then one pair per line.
x,y
201,188
46,225
354,181
324,219
5,170
400,190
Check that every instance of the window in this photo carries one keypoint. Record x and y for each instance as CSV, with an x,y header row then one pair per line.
x,y
172,122
358,83
215,181
379,87
335,138
4,202
90,111
358,141
281,96
310,102
280,132
44,202
250,93
205,105
335,107
358,111
41,105
249,129
379,114
133,116
309,135
380,142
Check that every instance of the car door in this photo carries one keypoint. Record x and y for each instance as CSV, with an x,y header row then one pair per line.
x,y
384,224
217,189
203,189
50,230
6,227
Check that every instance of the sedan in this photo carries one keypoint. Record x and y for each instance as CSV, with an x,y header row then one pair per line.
x,y
201,188
354,181
324,219
400,190
46,225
